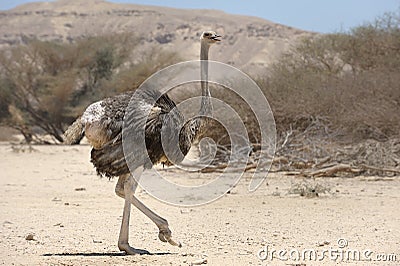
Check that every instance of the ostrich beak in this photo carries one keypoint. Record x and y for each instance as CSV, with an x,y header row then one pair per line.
x,y
215,38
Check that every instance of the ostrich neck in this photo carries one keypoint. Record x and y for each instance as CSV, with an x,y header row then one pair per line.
x,y
206,108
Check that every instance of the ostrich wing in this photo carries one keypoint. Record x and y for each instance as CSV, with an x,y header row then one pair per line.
x,y
110,159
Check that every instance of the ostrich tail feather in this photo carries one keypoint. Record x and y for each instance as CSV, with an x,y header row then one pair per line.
x,y
74,133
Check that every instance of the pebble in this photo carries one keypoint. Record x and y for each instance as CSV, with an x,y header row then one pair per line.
x,y
29,237
323,243
199,262
59,225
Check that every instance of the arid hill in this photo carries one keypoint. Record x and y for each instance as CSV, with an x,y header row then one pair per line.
x,y
250,43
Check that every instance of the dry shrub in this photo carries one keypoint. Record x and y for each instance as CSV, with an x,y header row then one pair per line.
x,y
44,86
7,134
336,99
350,79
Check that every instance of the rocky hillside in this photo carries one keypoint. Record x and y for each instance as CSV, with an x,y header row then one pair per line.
x,y
248,42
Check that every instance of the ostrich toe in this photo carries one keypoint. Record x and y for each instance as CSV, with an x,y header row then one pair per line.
x,y
132,251
165,236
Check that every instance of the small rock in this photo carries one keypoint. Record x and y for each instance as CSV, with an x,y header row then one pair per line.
x,y
243,253
323,243
199,262
80,189
29,237
276,194
66,203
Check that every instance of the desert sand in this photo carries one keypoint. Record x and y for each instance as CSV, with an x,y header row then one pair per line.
x,y
55,210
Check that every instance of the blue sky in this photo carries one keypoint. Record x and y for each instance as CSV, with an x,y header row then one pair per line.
x,y
314,15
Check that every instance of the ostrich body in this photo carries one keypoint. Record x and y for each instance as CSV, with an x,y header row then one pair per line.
x,y
102,124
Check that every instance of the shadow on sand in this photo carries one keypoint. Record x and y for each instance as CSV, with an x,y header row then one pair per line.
x,y
106,254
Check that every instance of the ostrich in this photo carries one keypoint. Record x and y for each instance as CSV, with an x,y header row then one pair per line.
x,y
102,124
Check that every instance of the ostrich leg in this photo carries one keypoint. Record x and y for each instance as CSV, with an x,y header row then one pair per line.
x,y
123,240
125,188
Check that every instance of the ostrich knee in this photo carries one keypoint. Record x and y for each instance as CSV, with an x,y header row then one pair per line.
x,y
119,188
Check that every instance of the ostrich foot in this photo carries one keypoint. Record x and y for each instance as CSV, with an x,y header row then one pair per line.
x,y
132,251
165,236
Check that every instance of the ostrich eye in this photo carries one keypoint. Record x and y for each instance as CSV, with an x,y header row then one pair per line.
x,y
206,34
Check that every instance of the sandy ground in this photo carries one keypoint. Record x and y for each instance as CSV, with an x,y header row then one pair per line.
x,y
74,216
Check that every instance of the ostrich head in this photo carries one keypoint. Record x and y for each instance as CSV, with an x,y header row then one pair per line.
x,y
209,37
